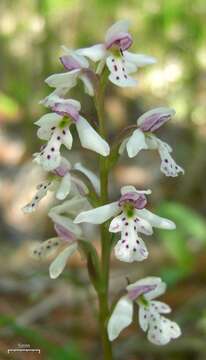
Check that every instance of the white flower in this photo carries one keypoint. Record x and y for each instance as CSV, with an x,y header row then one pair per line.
x,y
120,62
62,184
131,219
67,235
143,138
65,244
55,128
160,330
78,67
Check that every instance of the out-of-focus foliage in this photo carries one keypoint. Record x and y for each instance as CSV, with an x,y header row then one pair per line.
x,y
31,33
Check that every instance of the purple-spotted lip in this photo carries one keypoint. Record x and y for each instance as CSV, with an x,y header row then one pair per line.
x,y
139,200
122,40
154,122
140,290
70,63
66,110
64,233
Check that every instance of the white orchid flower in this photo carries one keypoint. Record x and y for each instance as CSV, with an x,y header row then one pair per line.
x,y
65,244
77,67
67,234
63,184
131,219
143,138
120,62
160,330
55,128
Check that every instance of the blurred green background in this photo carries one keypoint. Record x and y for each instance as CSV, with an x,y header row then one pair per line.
x,y
57,316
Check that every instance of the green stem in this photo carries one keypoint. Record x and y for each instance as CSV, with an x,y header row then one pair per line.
x,y
105,238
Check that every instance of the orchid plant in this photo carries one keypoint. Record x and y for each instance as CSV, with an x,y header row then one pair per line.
x,y
82,196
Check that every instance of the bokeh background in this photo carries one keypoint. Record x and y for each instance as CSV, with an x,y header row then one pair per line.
x,y
59,317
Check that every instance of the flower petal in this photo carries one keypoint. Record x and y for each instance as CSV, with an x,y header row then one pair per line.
x,y
123,146
130,250
157,286
162,330
120,318
155,220
168,165
143,318
64,187
116,225
90,139
98,215
70,207
47,123
118,72
130,188
40,194
160,307
120,26
78,186
68,224
139,59
58,265
88,85
63,80
46,249
95,52
50,157
90,175
153,119
136,143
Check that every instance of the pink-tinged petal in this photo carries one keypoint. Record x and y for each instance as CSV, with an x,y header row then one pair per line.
x,y
158,287
140,290
153,119
122,40
139,200
90,139
118,72
95,52
63,168
64,108
120,27
72,59
98,215
67,223
64,233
